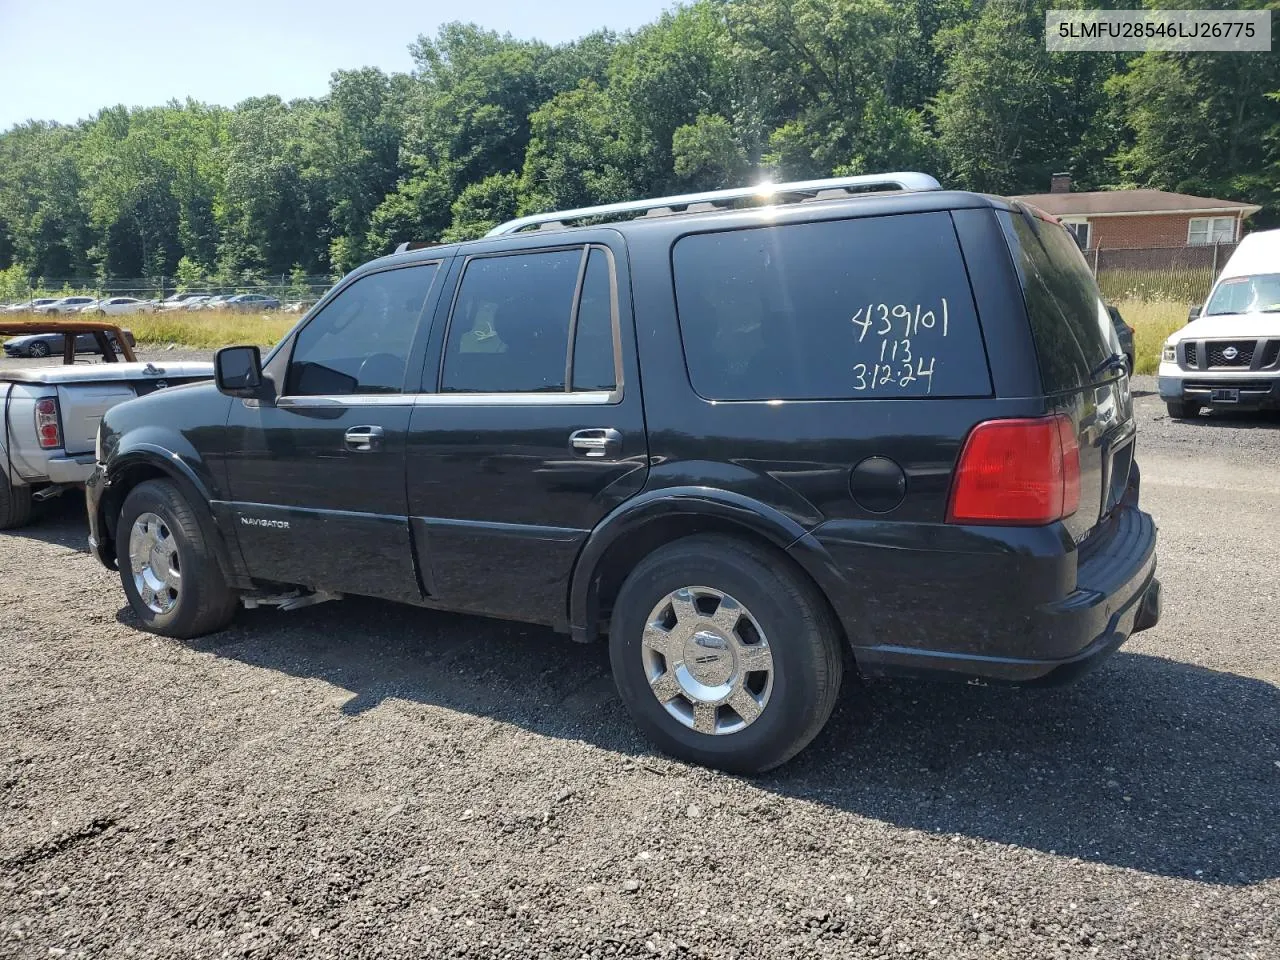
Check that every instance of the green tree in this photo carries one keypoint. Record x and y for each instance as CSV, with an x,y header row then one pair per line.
x,y
576,157
273,209
482,206
707,156
42,203
1201,123
994,115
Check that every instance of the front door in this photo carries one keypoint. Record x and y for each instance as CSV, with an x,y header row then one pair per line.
x,y
535,429
316,478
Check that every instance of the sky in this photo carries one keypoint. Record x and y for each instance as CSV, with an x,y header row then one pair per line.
x,y
66,59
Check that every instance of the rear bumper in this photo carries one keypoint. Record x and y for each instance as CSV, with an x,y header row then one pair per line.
x,y
991,605
70,469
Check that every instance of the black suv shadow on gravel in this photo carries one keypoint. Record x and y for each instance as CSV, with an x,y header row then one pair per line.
x,y
1149,764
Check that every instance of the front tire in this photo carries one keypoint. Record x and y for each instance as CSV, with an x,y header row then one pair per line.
x,y
39,349
167,567
1182,410
723,655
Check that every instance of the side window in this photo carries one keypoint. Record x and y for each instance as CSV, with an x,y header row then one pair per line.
x,y
593,352
359,343
509,332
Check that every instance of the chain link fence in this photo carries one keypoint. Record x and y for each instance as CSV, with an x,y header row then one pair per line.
x,y
288,289
1159,273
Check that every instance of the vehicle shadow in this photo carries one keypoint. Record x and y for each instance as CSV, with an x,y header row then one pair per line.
x,y
59,520
1243,419
1150,764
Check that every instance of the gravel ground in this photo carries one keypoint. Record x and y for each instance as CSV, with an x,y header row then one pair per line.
x,y
362,780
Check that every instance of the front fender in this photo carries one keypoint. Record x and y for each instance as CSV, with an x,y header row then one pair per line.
x,y
733,509
140,456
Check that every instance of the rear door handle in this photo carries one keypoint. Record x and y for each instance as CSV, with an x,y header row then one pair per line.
x,y
363,439
597,443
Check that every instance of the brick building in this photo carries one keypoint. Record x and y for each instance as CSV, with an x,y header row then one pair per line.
x,y
1150,219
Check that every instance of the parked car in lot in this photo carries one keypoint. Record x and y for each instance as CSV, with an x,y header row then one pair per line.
x,y
31,306
252,302
1228,355
217,302
699,434
52,343
119,306
178,301
1124,333
65,305
49,414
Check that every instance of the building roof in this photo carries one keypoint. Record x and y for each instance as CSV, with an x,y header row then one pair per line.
x,y
1117,203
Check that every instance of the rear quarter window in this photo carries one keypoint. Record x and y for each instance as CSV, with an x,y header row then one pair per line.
x,y
1070,324
872,308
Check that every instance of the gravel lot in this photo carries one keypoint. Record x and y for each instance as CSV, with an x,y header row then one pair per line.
x,y
362,780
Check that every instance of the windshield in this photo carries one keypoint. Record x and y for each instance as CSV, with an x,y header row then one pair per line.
x,y
1257,294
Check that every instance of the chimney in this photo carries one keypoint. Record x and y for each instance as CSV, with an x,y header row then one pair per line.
x,y
1060,183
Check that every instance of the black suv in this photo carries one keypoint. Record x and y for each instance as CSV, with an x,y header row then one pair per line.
x,y
870,423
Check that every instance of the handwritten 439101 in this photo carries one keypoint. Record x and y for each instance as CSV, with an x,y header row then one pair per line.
x,y
898,364
906,320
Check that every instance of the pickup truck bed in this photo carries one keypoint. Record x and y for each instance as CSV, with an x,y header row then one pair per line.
x,y
46,465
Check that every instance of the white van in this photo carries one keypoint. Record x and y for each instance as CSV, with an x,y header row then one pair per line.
x,y
1228,355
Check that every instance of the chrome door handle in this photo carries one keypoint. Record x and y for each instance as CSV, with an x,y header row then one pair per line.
x,y
363,439
597,443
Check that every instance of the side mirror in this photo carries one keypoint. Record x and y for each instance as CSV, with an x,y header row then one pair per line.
x,y
1193,313
238,371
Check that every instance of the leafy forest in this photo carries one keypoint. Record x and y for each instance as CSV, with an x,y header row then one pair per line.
x,y
716,93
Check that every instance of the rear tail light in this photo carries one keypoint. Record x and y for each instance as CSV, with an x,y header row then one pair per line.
x,y
1023,472
47,428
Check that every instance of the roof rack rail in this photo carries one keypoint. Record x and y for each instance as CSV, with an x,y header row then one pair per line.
x,y
723,199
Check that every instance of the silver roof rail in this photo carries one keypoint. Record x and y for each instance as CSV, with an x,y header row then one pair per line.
x,y
721,199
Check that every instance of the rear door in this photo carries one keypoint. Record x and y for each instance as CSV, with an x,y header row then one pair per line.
x,y
1075,343
317,477
534,429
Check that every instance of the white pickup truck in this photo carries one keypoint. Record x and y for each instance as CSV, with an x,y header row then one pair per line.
x,y
49,418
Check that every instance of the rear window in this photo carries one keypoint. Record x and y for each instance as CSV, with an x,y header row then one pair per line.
x,y
873,308
1070,324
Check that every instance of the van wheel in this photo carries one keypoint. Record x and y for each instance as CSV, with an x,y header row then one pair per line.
x,y
15,505
168,569
723,656
1182,410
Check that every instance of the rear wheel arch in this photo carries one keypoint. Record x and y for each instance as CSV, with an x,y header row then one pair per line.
x,y
616,548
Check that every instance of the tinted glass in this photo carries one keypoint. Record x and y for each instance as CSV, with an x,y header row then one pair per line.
x,y
873,308
1072,330
510,326
359,343
593,367
1256,294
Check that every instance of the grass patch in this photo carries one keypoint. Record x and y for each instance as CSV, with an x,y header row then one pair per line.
x,y
208,329
1152,322
1187,284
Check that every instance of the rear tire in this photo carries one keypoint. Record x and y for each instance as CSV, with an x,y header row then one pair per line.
x,y
734,621
15,505
167,567
1182,410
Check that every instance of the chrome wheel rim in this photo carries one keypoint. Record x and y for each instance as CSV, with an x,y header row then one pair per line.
x,y
707,660
157,570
